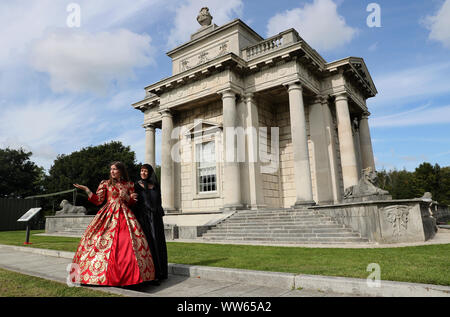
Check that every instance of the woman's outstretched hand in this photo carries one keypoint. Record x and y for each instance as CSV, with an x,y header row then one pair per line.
x,y
82,187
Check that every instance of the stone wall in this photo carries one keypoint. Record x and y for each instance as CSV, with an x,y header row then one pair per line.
x,y
271,180
76,224
286,170
185,171
386,221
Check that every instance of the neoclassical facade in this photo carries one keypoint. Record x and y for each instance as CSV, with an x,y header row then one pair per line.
x,y
251,123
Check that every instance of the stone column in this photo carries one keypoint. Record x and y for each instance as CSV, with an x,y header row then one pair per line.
x,y
167,164
319,142
346,144
366,142
356,141
150,156
231,173
254,169
332,151
302,172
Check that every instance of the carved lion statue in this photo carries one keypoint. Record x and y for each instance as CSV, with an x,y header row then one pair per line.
x,y
68,208
366,185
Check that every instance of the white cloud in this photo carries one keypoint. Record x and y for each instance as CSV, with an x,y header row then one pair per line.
x,y
186,17
318,23
61,125
373,47
123,99
46,127
411,83
78,61
439,25
23,21
416,117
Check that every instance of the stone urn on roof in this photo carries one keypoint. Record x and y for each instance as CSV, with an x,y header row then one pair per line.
x,y
204,18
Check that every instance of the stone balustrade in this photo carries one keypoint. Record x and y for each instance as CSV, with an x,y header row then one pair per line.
x,y
271,44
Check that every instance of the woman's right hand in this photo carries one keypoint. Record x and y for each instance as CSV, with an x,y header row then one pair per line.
x,y
82,187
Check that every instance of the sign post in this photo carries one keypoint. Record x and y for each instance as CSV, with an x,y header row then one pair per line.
x,y
26,218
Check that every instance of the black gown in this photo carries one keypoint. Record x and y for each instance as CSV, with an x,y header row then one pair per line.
x,y
149,212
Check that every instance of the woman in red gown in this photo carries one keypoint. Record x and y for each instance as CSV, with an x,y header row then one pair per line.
x,y
113,250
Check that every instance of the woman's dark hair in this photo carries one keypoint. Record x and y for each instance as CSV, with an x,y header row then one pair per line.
x,y
123,172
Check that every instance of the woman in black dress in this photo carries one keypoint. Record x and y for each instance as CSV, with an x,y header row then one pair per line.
x,y
149,212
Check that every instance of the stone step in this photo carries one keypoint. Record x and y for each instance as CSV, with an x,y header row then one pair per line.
x,y
286,218
281,235
277,224
282,213
278,218
287,225
279,230
335,240
282,226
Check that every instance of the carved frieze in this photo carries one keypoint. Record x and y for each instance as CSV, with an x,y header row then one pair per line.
x,y
203,86
271,74
308,76
398,217
203,56
356,93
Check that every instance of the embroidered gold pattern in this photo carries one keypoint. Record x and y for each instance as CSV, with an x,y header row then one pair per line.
x,y
93,252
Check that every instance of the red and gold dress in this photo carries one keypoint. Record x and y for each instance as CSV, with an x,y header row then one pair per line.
x,y
113,250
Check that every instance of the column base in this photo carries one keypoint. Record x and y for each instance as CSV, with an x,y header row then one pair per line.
x,y
302,204
256,207
233,207
170,210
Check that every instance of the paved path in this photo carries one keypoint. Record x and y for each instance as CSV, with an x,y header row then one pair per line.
x,y
201,281
52,265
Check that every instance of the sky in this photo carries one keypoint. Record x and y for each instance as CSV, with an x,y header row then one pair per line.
x,y
70,70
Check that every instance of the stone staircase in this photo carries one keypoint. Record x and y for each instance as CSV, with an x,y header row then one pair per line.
x,y
282,226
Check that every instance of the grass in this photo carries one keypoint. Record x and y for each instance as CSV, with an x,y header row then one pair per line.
x,y
42,242
419,264
13,284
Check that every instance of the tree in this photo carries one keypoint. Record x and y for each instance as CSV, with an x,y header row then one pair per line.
x,y
425,178
89,167
445,186
19,177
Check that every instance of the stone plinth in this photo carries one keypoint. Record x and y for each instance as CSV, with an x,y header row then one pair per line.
x,y
386,221
170,231
367,198
75,224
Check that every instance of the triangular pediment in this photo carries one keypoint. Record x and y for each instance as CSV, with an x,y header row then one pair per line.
x,y
203,127
359,65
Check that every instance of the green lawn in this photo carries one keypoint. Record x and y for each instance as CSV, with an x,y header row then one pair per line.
x,y
13,284
421,264
41,242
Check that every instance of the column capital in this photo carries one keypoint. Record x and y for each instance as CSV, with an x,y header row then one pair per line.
x,y
293,85
249,97
166,112
230,92
341,96
365,115
322,99
149,126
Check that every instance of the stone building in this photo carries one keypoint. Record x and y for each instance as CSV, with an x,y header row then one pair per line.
x,y
250,123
